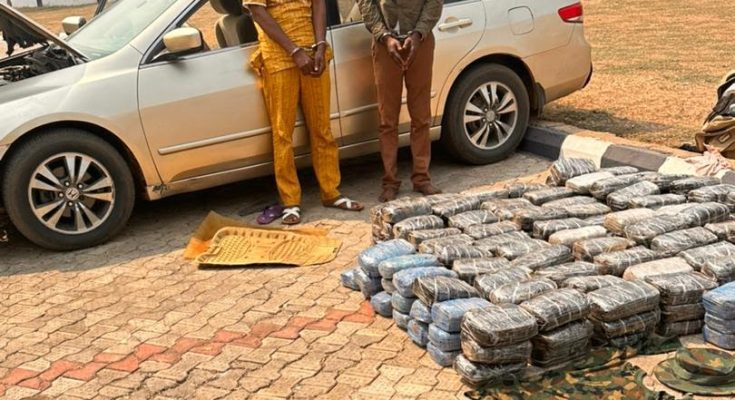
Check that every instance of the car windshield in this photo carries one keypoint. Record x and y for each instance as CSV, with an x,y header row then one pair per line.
x,y
117,26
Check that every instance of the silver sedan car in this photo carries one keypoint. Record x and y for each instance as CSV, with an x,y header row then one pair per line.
x,y
152,98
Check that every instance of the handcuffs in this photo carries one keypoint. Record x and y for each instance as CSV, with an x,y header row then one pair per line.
x,y
313,48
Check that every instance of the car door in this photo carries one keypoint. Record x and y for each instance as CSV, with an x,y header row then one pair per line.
x,y
460,28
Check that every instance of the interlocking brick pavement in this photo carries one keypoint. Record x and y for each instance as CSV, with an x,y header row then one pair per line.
x,y
133,319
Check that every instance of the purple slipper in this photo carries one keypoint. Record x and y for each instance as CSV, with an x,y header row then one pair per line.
x,y
270,214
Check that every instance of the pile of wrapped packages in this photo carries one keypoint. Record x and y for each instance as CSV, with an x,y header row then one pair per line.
x,y
492,281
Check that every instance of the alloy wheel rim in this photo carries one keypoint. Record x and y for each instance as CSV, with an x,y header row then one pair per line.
x,y
490,115
71,193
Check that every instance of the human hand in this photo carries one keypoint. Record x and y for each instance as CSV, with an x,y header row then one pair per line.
x,y
411,45
394,49
303,62
319,61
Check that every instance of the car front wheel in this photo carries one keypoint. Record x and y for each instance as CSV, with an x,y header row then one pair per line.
x,y
486,115
68,189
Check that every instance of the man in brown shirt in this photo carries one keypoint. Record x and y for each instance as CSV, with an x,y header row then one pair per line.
x,y
403,49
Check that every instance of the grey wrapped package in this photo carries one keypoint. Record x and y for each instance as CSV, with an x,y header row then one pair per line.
x,y
564,169
628,298
587,250
582,184
602,188
570,236
443,340
418,237
721,269
564,336
420,312
452,207
390,266
723,230
717,193
619,199
545,257
403,280
684,288
663,267
374,255
488,194
513,250
681,328
469,268
719,339
368,285
381,303
487,284
418,332
560,273
637,323
724,325
435,289
586,284
657,200
388,285
476,374
686,185
468,218
432,246
699,256
488,230
447,255
402,303
673,243
557,307
497,205
617,222
643,232
664,181
398,210
560,356
682,312
720,302
544,229
512,353
435,199
707,213
518,292
401,319
440,357
570,201
596,220
587,210
499,325
540,197
626,340
617,262
447,315
347,278
516,190
621,170
492,243
525,218
423,222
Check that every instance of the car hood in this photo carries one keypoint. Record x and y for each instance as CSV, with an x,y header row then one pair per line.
x,y
28,27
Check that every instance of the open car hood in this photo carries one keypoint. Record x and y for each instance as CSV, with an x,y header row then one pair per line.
x,y
30,31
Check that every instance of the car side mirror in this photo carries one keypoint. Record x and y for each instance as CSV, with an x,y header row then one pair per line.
x,y
72,24
183,41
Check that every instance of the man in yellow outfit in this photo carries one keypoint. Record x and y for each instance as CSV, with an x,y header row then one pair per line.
x,y
292,61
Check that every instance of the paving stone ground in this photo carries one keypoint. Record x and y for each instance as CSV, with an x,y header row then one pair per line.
x,y
133,319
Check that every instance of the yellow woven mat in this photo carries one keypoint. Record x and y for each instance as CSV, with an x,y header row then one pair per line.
x,y
250,246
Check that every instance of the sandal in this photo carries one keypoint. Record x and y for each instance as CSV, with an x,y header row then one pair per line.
x,y
343,203
291,216
270,214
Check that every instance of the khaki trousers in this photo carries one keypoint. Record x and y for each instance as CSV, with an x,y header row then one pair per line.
x,y
389,79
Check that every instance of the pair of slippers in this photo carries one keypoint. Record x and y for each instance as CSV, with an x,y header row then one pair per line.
x,y
274,212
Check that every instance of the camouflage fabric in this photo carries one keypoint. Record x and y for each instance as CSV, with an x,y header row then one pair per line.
x,y
699,371
705,361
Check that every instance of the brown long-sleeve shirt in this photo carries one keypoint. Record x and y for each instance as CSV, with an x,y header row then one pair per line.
x,y
384,17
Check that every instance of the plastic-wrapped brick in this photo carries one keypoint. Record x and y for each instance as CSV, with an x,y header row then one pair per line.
x,y
638,323
540,197
381,303
673,243
420,312
422,222
417,237
582,184
447,315
469,268
368,285
570,201
545,257
684,288
418,332
447,255
388,285
402,304
440,357
720,302
476,374
435,199
596,220
518,292
557,307
513,250
586,284
686,185
723,230
617,222
492,243
723,325
390,266
435,289
525,218
512,353
431,246
495,206
564,169
347,278
498,325
621,170
570,236
719,339
587,250
398,210
382,232
403,280
657,200
643,232
617,262
664,181
468,218
722,269
587,210
682,312
564,336
374,255
544,229
485,195
560,273
619,199
663,267
557,357
487,284
489,230
673,209
452,207
628,340
699,256
716,193
602,188
516,190
401,319
622,300
681,328
707,213
443,340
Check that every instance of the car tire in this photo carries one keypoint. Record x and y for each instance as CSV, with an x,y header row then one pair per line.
x,y
469,99
58,210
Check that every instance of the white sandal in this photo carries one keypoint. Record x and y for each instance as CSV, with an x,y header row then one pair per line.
x,y
291,212
344,203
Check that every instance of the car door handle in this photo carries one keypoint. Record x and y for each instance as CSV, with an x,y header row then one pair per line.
x,y
452,23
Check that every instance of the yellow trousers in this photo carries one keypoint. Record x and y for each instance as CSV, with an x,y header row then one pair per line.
x,y
283,90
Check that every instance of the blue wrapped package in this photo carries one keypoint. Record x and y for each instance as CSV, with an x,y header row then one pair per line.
x,y
371,257
447,315
403,280
388,285
418,332
392,265
726,326
402,303
443,340
420,312
719,339
401,319
381,303
368,286
720,302
348,279
442,358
